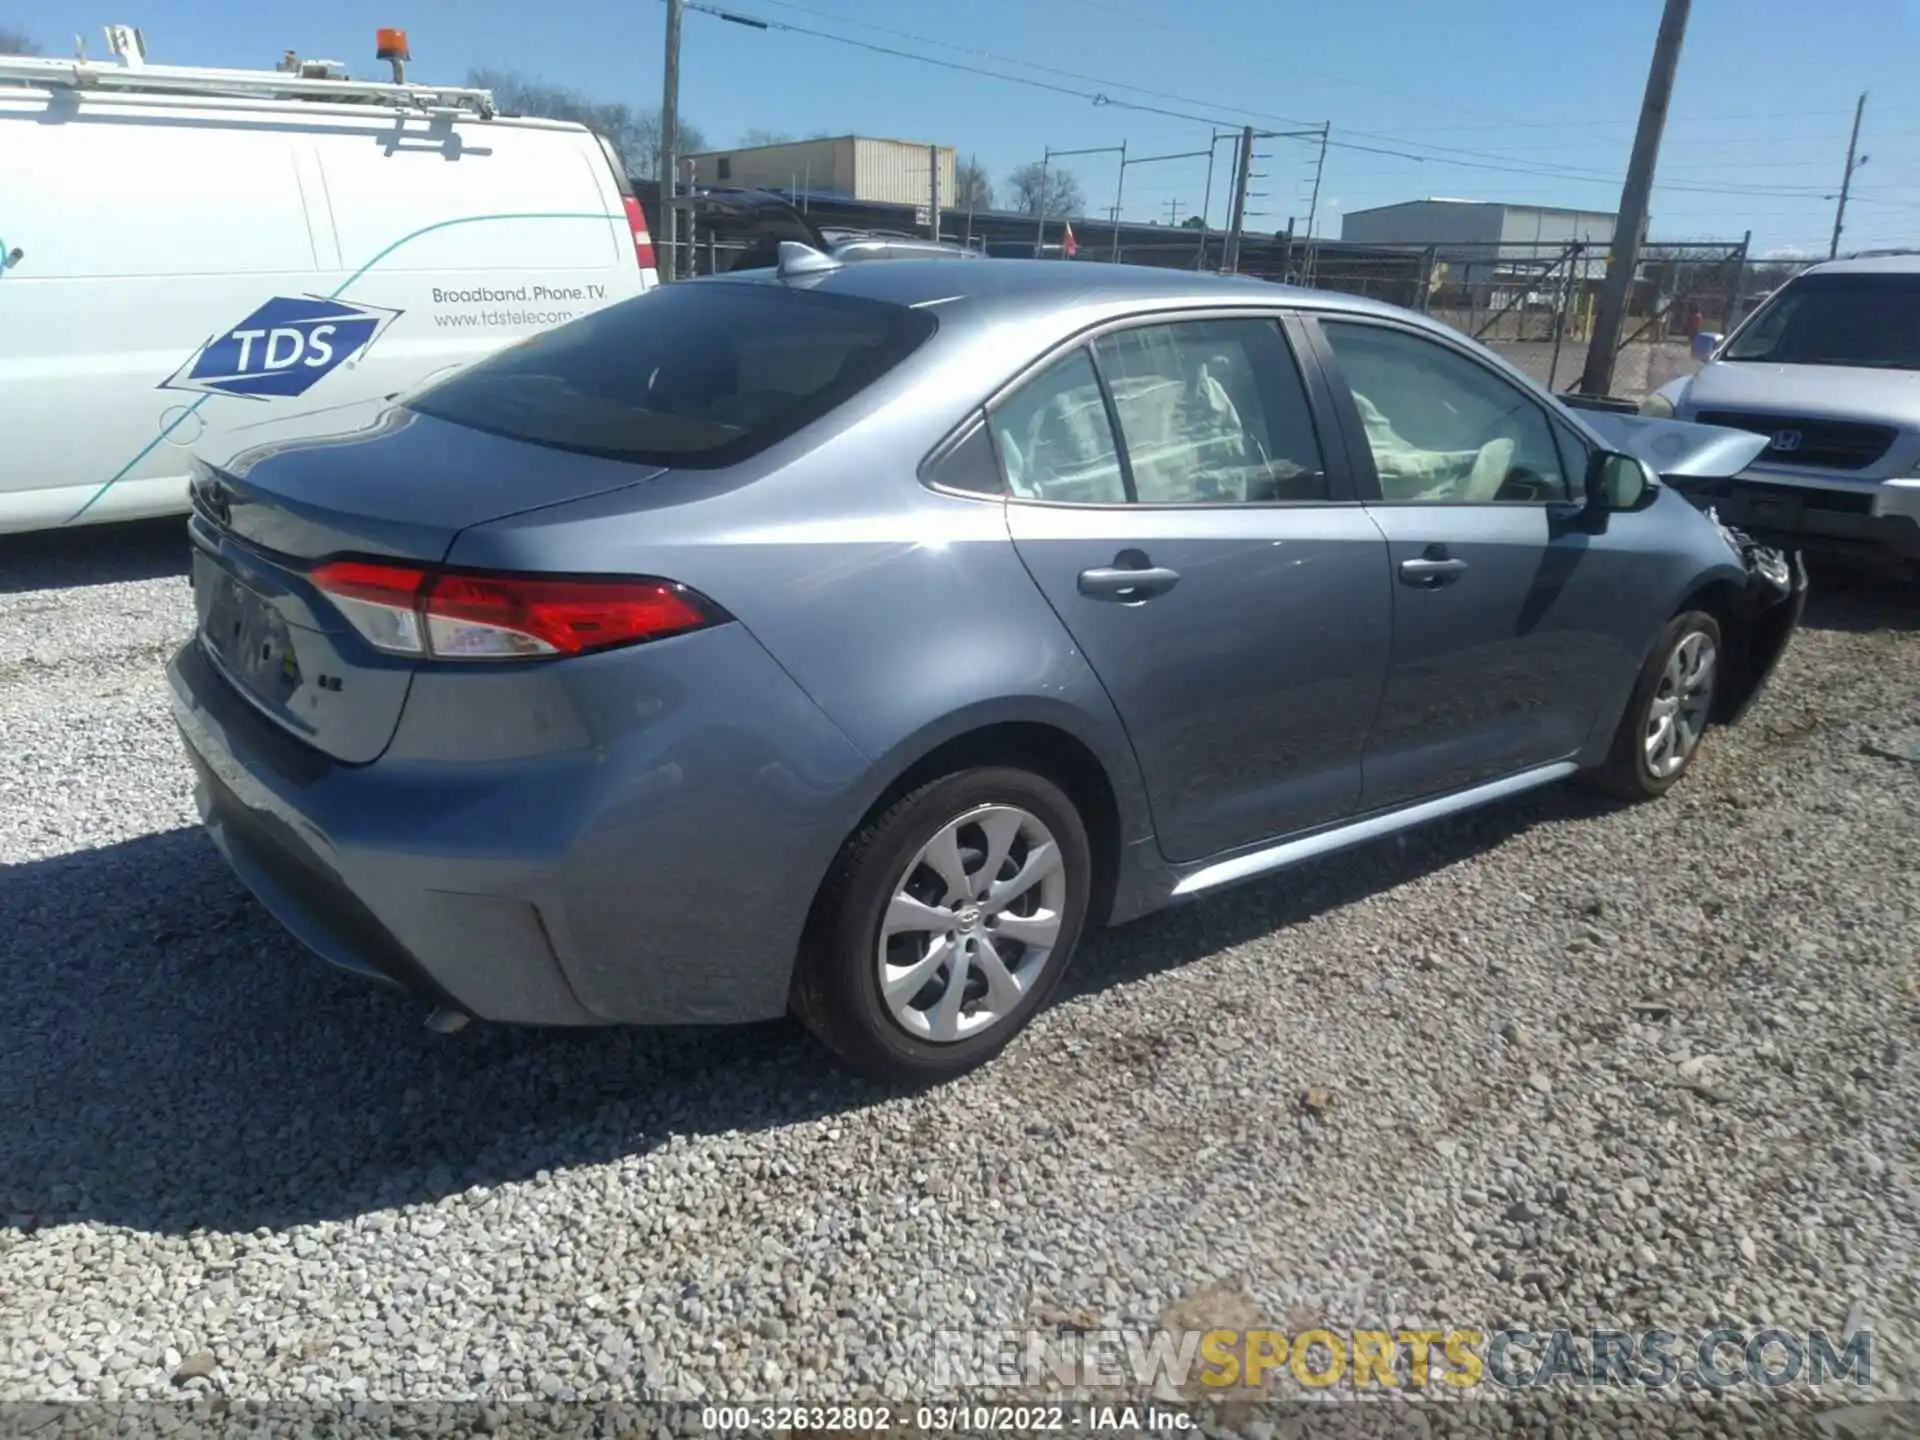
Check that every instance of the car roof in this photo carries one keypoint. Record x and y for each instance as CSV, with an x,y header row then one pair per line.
x,y
1024,289
1901,264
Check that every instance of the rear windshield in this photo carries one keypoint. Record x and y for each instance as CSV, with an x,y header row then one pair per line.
x,y
697,375
1871,321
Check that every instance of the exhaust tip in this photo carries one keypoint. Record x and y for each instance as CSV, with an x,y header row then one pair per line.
x,y
445,1020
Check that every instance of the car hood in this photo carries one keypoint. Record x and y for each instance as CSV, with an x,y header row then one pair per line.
x,y
1678,448
1842,392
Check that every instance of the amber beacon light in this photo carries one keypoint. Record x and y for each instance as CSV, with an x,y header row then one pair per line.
x,y
391,45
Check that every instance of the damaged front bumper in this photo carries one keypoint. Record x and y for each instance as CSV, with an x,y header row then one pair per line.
x,y
1775,596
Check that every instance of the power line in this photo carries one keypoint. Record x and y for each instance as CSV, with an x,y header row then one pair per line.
x,y
1292,62
979,54
1444,155
1585,177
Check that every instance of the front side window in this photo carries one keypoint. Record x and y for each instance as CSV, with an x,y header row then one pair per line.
x,y
1442,429
1212,412
1054,440
699,375
1871,321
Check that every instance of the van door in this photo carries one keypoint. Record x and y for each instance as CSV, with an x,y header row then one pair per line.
x,y
144,230
471,234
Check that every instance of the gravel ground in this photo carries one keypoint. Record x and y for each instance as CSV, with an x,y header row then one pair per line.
x,y
1557,1062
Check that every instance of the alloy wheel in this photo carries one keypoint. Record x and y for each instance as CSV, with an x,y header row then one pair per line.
x,y
1678,715
975,917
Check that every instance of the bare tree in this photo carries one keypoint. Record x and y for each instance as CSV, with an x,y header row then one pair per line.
x,y
15,42
1041,190
972,187
757,136
634,134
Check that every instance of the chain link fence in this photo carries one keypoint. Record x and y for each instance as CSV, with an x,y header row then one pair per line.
x,y
1533,302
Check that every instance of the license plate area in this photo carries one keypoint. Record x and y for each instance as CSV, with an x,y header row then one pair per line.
x,y
1775,512
246,636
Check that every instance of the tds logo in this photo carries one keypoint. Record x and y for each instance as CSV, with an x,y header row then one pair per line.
x,y
282,349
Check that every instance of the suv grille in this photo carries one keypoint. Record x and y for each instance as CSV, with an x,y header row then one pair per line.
x,y
1817,444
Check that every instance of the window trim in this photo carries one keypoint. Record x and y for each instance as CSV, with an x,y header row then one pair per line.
x,y
1335,456
975,421
1366,473
1114,428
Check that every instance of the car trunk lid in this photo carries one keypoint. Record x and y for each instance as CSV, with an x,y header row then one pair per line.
x,y
311,486
287,496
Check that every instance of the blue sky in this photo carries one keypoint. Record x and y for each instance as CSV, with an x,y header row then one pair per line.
x,y
1513,100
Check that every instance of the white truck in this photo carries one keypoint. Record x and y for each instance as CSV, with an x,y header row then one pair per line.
x,y
186,250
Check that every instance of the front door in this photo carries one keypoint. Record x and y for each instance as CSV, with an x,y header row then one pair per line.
x,y
1169,493
1507,641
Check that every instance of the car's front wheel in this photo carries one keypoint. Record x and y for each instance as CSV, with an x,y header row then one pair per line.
x,y
945,924
1668,712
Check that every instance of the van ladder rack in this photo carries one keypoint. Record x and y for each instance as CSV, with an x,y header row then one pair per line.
x,y
271,84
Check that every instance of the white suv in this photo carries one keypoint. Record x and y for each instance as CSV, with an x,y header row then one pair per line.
x,y
1829,369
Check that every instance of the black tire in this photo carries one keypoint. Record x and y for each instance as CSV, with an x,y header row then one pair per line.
x,y
1625,772
836,988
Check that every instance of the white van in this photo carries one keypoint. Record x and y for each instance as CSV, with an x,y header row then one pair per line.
x,y
185,250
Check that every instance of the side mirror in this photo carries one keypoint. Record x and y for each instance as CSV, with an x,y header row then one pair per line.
x,y
1613,482
1704,344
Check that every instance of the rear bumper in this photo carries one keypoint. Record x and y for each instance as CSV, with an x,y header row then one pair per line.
x,y
655,874
1882,516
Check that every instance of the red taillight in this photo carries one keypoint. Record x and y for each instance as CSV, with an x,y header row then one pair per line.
x,y
642,241
458,615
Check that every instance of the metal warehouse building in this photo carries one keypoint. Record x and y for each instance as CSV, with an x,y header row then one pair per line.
x,y
1474,237
889,172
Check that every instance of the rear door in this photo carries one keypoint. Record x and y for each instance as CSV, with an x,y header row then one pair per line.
x,y
1512,631
1170,492
101,319
467,235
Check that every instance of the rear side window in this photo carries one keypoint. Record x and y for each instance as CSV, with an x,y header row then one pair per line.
x,y
1212,412
697,375
1054,438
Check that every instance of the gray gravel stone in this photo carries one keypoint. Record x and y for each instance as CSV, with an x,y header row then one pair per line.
x,y
213,1145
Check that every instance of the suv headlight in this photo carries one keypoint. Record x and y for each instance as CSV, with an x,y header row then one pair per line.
x,y
1658,406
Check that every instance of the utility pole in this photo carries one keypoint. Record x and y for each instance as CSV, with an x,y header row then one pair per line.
x,y
1629,227
1313,205
1846,180
933,210
670,136
1040,205
1231,262
1206,205
1173,211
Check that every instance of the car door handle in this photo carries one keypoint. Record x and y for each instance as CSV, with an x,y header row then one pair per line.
x,y
1428,573
1114,582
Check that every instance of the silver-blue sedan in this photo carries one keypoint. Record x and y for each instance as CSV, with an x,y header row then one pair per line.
x,y
849,638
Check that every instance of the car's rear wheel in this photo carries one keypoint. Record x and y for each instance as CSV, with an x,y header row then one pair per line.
x,y
945,924
1667,715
